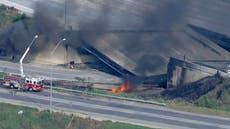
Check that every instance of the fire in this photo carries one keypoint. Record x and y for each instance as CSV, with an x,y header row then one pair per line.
x,y
123,88
114,90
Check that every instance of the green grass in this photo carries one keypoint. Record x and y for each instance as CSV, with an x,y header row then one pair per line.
x,y
119,125
9,16
182,105
2,74
219,98
107,92
30,119
34,119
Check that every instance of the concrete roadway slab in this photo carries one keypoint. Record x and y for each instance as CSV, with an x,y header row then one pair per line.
x,y
59,73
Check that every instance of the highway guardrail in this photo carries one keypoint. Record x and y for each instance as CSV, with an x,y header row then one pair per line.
x,y
111,96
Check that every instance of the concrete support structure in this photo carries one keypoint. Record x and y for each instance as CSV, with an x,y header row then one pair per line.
x,y
182,72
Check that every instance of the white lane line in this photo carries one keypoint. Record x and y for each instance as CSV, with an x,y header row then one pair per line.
x,y
127,111
65,75
152,124
55,71
4,69
123,110
95,116
194,114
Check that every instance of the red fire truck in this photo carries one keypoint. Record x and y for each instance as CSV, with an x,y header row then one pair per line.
x,y
11,81
17,82
33,84
23,82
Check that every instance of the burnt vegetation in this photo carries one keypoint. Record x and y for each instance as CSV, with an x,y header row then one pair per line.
x,y
195,90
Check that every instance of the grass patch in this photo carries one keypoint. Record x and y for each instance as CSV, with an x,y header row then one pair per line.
x,y
119,125
2,74
34,119
8,16
219,98
30,119
182,105
210,95
107,92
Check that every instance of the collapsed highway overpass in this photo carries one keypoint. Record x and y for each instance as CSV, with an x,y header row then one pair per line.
x,y
140,36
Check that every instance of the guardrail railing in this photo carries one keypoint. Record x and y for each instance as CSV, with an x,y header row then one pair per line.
x,y
111,96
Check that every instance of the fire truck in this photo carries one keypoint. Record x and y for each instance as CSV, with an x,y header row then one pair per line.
x,y
11,81
17,82
21,81
33,84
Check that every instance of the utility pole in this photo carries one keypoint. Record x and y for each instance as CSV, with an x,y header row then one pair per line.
x,y
65,12
51,74
66,52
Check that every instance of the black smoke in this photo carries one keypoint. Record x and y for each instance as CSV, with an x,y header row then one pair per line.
x,y
140,29
44,23
149,43
48,23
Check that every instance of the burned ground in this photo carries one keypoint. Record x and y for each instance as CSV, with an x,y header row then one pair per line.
x,y
195,90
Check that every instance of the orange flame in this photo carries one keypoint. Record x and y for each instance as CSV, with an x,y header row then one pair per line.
x,y
123,88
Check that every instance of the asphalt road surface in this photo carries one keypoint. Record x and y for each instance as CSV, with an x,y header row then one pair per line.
x,y
59,73
107,109
103,109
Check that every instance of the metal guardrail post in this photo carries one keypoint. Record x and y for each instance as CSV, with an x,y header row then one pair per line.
x,y
111,96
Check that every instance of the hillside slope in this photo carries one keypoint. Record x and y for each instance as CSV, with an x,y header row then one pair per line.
x,y
219,98
193,91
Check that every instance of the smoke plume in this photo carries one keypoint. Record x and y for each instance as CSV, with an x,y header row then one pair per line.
x,y
143,31
48,22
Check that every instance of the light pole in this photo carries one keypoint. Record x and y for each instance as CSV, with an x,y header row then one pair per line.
x,y
51,72
65,14
25,53
59,42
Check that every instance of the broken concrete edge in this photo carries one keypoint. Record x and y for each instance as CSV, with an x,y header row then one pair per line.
x,y
182,72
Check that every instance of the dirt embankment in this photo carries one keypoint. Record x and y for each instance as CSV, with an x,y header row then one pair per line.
x,y
194,91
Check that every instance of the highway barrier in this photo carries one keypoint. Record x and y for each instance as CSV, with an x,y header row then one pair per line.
x,y
110,96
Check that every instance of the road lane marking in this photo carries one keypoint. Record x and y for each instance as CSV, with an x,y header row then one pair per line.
x,y
126,111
